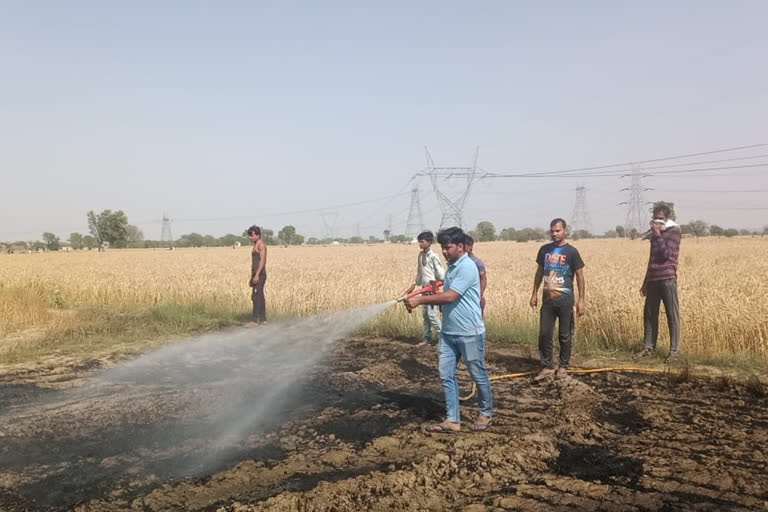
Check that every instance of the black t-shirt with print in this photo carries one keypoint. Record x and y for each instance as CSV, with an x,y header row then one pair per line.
x,y
560,263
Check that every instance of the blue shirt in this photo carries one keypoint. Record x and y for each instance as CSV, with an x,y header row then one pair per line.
x,y
463,317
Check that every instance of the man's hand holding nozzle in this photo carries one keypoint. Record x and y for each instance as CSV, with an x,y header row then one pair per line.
x,y
412,302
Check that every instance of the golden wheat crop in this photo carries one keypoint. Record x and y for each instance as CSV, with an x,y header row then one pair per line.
x,y
723,301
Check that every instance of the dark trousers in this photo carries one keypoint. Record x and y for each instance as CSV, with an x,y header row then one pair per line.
x,y
657,292
563,312
259,301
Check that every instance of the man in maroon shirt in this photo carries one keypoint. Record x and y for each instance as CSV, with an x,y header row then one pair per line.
x,y
660,283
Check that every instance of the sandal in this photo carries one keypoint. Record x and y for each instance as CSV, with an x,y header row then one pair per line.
x,y
479,426
439,428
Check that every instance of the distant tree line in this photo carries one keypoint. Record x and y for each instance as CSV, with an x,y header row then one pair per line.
x,y
111,229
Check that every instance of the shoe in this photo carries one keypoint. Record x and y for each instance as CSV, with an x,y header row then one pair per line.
x,y
646,352
545,373
671,358
424,343
562,373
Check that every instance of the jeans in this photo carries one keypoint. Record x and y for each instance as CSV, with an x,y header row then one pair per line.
x,y
657,292
549,312
431,321
450,350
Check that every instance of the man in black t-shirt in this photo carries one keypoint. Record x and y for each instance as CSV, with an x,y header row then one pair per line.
x,y
557,262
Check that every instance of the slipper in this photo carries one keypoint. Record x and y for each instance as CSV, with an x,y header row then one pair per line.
x,y
481,427
439,428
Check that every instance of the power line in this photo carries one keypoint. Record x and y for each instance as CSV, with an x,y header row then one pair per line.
x,y
623,172
626,164
277,214
713,191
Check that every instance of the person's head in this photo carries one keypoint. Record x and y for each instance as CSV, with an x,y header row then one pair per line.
x,y
557,230
661,212
425,239
452,241
254,233
469,243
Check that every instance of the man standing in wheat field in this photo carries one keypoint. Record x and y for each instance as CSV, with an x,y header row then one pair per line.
x,y
660,283
258,277
558,263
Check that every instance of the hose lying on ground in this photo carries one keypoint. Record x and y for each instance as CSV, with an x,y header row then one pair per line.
x,y
642,369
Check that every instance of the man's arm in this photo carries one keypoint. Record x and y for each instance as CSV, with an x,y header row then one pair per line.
x,y
438,299
483,283
261,248
581,305
536,283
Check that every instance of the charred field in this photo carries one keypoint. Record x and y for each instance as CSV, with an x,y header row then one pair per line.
x,y
349,435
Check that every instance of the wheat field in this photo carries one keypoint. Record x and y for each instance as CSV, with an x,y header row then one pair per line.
x,y
724,306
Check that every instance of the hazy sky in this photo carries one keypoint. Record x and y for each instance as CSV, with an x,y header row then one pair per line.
x,y
226,114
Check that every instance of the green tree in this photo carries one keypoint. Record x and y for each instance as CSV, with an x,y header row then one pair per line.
x,y
230,239
191,240
699,228
285,235
731,232
134,236
620,231
486,231
716,230
507,234
90,242
110,227
52,242
581,233
76,240
268,236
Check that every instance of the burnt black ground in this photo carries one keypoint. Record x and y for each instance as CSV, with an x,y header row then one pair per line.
x,y
350,437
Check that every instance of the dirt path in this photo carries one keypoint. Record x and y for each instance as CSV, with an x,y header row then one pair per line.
x,y
350,438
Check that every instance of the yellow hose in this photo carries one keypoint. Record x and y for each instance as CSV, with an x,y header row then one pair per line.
x,y
571,371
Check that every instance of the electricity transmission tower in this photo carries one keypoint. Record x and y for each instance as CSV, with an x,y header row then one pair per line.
x,y
329,220
580,220
165,234
636,215
388,228
451,202
415,223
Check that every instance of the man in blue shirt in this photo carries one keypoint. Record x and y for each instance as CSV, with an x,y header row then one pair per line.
x,y
463,332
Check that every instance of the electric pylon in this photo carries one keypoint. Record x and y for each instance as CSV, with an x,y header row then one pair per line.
x,y
580,220
451,203
165,234
415,223
636,215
